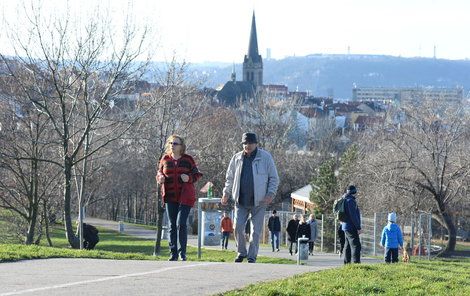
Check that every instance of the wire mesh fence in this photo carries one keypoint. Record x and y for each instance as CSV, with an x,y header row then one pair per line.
x,y
415,227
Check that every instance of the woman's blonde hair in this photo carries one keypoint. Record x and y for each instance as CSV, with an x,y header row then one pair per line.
x,y
170,140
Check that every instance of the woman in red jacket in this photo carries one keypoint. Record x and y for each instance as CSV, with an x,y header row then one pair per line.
x,y
177,173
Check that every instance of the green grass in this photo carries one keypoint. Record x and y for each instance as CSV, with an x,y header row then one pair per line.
x,y
420,277
113,245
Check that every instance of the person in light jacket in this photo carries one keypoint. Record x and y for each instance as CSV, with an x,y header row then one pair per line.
x,y
392,239
251,181
312,222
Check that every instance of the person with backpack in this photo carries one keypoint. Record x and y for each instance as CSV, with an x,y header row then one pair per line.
x,y
351,225
274,226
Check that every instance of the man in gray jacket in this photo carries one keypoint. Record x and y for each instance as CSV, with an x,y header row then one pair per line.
x,y
252,181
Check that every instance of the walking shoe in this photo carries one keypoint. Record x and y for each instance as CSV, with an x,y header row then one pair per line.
x,y
183,257
173,258
251,260
239,258
277,250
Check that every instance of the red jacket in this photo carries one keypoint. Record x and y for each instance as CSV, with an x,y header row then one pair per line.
x,y
174,189
226,225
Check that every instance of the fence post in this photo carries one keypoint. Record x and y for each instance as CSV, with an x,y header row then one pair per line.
x,y
375,234
336,234
322,231
264,228
412,232
429,236
420,232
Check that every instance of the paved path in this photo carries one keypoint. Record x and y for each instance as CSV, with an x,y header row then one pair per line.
x,y
140,277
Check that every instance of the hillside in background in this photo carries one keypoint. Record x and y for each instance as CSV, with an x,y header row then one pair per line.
x,y
335,75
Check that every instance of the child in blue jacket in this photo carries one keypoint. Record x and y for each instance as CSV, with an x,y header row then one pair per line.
x,y
392,239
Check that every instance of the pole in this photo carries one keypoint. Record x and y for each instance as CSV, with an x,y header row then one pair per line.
x,y
420,232
375,234
429,235
336,234
412,231
199,228
322,232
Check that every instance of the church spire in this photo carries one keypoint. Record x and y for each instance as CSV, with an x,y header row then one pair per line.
x,y
253,62
253,44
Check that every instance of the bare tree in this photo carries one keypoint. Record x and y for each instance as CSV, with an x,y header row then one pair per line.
x,y
425,160
28,178
75,70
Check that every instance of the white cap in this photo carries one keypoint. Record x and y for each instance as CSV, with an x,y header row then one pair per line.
x,y
392,217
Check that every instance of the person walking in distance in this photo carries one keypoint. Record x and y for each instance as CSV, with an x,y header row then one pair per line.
x,y
177,173
274,226
312,222
292,232
351,227
226,227
252,182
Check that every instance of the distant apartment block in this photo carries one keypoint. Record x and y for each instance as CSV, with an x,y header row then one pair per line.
x,y
397,94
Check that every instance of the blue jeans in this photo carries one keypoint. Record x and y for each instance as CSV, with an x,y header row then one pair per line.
x,y
178,216
391,255
225,236
257,216
275,239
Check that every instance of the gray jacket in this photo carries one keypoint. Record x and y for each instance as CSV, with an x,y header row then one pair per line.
x,y
313,230
266,179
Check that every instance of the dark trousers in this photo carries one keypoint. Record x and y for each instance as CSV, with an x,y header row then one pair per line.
x,y
391,255
178,216
275,239
310,247
291,243
89,243
352,247
225,236
342,239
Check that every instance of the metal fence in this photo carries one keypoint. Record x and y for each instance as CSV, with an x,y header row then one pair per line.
x,y
416,229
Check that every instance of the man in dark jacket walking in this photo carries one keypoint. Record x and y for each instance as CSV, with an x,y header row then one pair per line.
x,y
351,227
292,232
274,226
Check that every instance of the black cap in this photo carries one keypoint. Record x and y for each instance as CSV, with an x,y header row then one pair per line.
x,y
352,189
249,138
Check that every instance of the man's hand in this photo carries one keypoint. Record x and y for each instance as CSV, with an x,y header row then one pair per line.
x,y
184,178
359,231
224,200
268,199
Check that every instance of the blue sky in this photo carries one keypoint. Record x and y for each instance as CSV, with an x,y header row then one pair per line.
x,y
218,30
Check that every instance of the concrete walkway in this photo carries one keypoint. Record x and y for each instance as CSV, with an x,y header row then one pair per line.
x,y
141,277
319,259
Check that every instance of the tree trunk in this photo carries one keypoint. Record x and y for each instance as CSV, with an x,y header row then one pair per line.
x,y
33,215
46,224
452,232
71,237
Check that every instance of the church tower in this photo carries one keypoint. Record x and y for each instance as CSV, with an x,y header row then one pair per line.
x,y
253,63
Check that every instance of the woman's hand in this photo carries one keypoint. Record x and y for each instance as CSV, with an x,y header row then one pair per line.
x,y
160,179
184,178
